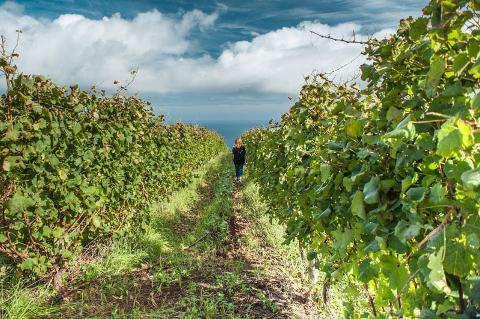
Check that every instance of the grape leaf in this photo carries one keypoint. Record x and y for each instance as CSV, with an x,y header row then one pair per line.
x,y
370,191
405,231
457,259
367,271
437,68
436,276
395,271
416,194
358,208
437,193
460,62
453,136
471,178
354,128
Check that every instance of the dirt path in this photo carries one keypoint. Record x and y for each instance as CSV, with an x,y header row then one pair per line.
x,y
209,253
266,271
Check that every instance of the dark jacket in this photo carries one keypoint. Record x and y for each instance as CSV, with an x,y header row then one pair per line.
x,y
239,155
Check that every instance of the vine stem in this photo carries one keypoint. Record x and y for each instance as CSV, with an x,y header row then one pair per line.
x,y
329,37
344,65
428,121
439,115
461,299
429,236
371,301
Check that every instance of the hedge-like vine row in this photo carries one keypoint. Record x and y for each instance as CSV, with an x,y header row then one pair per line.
x,y
79,165
383,183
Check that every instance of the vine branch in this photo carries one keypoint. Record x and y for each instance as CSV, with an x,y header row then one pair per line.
x,y
329,37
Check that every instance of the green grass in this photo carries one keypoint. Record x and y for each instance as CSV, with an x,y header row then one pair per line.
x,y
162,248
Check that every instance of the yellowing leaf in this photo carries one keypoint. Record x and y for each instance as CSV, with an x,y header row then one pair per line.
x,y
6,165
354,128
62,173
452,137
437,276
466,131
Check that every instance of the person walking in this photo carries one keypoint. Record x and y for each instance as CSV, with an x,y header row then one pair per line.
x,y
239,153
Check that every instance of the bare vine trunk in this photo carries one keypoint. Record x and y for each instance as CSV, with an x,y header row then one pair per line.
x,y
313,272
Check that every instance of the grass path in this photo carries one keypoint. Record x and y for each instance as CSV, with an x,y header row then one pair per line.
x,y
208,252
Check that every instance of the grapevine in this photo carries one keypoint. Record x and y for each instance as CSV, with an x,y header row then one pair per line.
x,y
382,182
77,165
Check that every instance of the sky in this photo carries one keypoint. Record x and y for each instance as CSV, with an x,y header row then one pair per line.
x,y
229,65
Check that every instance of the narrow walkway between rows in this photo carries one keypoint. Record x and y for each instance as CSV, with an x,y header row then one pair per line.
x,y
208,252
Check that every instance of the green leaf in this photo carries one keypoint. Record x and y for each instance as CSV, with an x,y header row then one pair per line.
x,y
466,131
96,221
387,184
3,238
370,191
416,194
457,260
460,63
475,71
418,28
46,231
325,172
445,307
473,47
471,178
404,129
455,168
405,231
436,277
437,193
395,271
358,208
347,183
342,239
57,232
406,183
474,240
393,113
323,214
476,101
18,203
437,68
29,263
367,271
372,247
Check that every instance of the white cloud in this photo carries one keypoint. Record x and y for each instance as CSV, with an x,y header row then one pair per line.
x,y
75,49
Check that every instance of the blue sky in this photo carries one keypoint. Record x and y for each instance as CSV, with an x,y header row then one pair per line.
x,y
229,65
